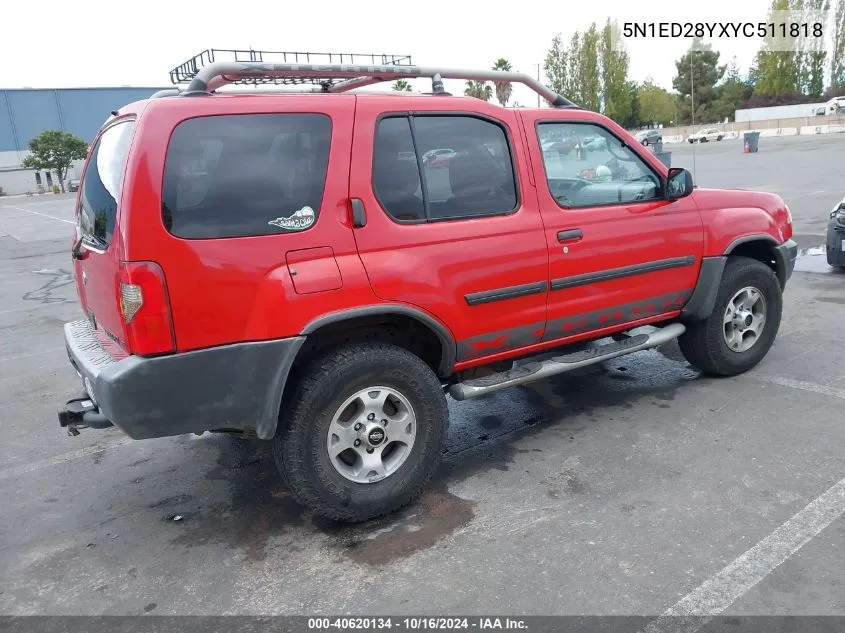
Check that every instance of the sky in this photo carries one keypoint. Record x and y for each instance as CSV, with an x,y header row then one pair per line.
x,y
87,44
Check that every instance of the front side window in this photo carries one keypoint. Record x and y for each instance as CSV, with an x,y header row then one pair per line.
x,y
102,183
587,166
442,167
245,174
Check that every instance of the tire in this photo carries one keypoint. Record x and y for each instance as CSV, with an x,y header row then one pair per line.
x,y
704,343
645,142
719,138
301,446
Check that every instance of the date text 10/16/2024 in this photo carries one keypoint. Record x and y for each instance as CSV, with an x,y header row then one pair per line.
x,y
417,623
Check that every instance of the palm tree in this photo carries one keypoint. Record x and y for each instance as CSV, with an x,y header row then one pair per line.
x,y
479,90
400,85
503,88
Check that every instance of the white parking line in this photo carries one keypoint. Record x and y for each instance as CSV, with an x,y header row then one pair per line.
x,y
803,386
43,215
17,471
721,590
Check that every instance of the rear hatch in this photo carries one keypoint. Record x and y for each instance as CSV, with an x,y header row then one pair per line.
x,y
96,243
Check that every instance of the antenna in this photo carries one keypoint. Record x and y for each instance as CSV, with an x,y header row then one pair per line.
x,y
692,103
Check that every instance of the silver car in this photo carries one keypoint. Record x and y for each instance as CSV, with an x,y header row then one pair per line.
x,y
648,137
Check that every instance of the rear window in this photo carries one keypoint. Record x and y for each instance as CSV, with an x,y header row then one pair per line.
x,y
245,174
102,183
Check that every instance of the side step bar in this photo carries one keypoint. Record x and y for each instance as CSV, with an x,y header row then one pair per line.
x,y
531,371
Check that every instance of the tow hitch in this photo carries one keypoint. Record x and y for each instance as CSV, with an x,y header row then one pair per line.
x,y
82,413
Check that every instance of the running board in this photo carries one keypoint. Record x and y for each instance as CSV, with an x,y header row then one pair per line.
x,y
531,371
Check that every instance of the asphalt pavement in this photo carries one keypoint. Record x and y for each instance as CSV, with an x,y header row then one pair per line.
x,y
634,488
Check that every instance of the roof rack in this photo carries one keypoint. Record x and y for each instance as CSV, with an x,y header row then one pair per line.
x,y
328,72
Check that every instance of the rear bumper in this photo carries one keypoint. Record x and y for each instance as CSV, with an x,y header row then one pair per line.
x,y
230,387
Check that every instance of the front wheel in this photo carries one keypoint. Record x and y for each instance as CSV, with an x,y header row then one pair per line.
x,y
363,433
743,325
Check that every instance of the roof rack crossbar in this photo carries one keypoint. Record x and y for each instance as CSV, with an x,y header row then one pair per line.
x,y
213,76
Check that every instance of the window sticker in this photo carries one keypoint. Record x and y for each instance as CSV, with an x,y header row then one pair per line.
x,y
299,221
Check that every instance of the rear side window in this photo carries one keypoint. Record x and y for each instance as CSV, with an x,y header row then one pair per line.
x,y
245,174
443,167
102,183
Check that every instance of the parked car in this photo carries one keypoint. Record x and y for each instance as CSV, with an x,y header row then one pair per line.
x,y
836,105
648,137
314,287
836,236
595,143
706,135
73,185
438,157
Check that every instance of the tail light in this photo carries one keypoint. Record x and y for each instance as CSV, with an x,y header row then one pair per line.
x,y
145,308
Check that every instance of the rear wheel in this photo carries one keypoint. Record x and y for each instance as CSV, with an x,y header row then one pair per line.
x,y
364,432
743,325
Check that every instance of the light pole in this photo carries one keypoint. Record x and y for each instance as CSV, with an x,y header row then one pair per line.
x,y
538,79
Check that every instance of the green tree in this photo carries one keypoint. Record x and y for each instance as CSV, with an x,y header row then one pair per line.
x,y
732,93
479,89
401,85
504,89
573,71
616,90
837,50
635,118
698,72
590,73
55,150
656,104
777,72
556,66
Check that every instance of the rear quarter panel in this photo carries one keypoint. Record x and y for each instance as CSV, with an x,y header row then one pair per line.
x,y
240,289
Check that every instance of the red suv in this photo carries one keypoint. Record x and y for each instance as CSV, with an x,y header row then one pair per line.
x,y
287,267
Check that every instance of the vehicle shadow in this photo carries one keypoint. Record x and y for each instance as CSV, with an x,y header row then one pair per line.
x,y
485,435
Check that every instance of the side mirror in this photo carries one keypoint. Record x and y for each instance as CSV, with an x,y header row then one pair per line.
x,y
679,184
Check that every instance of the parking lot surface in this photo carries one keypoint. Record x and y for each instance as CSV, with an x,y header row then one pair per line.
x,y
628,489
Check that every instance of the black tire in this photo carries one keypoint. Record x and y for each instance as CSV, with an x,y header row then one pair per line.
x,y
718,138
703,344
300,445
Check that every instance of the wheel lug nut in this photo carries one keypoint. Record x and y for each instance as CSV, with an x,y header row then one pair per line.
x,y
358,426
372,416
357,442
369,450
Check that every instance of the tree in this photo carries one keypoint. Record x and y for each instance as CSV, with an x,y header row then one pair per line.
x,y
556,66
698,72
479,89
573,71
616,90
656,104
401,85
777,72
732,94
837,51
504,89
55,150
589,76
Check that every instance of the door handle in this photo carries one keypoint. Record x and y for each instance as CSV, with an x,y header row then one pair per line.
x,y
570,235
359,215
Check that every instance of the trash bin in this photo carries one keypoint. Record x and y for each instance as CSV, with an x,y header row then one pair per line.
x,y
750,142
664,157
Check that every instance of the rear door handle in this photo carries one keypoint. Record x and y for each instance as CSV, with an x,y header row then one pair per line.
x,y
570,235
359,215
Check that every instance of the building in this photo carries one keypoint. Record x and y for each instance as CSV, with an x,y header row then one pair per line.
x,y
801,110
25,113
